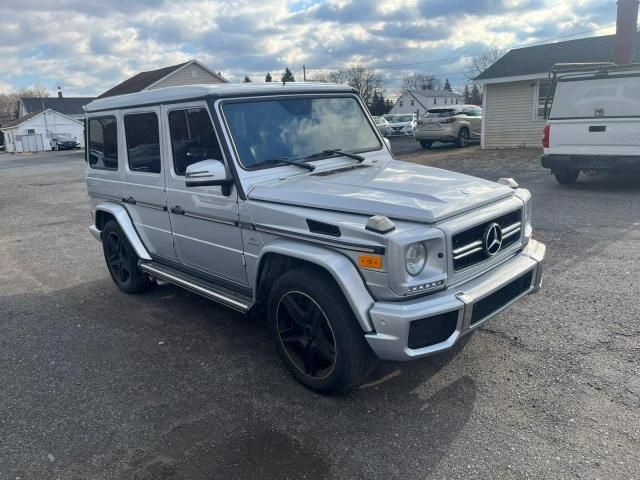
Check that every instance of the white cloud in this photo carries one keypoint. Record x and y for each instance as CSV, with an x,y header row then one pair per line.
x,y
87,46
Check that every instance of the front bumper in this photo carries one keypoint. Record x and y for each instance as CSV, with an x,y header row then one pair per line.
x,y
392,320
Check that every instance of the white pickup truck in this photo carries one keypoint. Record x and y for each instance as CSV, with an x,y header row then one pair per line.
x,y
593,120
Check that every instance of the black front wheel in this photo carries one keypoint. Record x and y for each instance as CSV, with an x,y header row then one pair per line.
x,y
122,260
315,332
425,144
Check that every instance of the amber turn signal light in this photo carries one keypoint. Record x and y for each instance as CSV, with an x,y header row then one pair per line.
x,y
370,261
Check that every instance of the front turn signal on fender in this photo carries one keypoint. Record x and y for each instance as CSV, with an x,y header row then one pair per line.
x,y
370,261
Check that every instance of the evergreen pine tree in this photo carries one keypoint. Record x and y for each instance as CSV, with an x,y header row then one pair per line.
x,y
476,96
247,79
467,94
447,86
287,76
268,78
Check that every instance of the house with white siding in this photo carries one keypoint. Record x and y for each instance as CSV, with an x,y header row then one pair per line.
x,y
515,87
188,73
33,132
421,100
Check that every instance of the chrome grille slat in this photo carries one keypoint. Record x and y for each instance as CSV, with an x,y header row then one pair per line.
x,y
468,245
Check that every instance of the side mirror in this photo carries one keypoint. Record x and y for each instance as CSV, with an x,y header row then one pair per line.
x,y
387,142
207,173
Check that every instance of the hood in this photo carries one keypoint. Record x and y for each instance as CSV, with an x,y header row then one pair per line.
x,y
399,190
400,124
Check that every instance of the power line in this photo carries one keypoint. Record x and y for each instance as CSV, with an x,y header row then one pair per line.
x,y
400,65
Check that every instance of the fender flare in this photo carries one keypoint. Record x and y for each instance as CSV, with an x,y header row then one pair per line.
x,y
340,267
123,219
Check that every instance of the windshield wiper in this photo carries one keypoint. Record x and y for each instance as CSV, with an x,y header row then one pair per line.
x,y
297,163
335,151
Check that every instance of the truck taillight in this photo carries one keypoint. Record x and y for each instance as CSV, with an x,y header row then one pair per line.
x,y
545,135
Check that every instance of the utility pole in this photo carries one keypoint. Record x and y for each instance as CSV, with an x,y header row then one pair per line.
x,y
304,73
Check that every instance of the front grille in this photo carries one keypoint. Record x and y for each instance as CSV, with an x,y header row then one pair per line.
x,y
432,330
498,299
468,246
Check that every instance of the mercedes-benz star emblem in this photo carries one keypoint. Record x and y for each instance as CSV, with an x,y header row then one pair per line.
x,y
492,239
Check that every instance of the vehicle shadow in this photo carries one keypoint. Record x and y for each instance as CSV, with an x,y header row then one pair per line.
x,y
171,385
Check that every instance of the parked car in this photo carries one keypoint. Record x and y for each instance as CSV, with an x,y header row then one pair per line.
x,y
593,122
460,124
389,117
285,202
403,124
383,126
63,141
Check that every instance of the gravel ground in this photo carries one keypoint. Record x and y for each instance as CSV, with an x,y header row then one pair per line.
x,y
97,384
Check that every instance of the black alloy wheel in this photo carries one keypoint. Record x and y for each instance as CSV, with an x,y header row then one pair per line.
x,y
117,257
122,260
306,335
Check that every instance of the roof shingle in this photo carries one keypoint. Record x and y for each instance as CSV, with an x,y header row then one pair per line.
x,y
540,58
141,81
64,105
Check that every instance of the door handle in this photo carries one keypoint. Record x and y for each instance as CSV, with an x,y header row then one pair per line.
x,y
177,210
129,200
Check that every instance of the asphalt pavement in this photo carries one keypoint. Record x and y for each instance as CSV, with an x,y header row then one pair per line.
x,y
96,384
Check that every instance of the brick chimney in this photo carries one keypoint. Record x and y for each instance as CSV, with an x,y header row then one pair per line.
x,y
60,89
626,31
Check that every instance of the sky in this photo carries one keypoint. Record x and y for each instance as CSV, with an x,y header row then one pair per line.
x,y
88,46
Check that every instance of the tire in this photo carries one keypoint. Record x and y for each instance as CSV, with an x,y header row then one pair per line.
x,y
315,332
567,177
425,144
54,147
463,137
122,260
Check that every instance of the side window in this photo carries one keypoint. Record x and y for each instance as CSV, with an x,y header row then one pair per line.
x,y
192,138
544,88
143,142
103,143
478,111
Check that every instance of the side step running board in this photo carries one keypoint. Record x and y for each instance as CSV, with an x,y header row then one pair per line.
x,y
225,296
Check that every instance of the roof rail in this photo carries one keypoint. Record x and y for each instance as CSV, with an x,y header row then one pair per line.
x,y
560,68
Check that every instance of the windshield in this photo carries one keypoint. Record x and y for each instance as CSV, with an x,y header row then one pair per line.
x,y
63,136
439,112
590,97
389,117
294,128
379,120
402,118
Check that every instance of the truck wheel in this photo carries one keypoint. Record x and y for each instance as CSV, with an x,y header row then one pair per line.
x,y
426,145
122,260
463,138
567,177
315,332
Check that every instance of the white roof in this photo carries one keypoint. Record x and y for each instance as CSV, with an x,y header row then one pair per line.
x,y
187,92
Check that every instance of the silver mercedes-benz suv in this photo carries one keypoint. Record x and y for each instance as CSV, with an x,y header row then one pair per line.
x,y
286,202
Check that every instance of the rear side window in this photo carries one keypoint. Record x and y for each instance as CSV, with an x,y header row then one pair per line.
x,y
440,112
143,142
192,138
103,143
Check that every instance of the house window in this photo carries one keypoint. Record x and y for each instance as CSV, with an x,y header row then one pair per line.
x,y
412,103
400,102
103,143
143,142
30,131
456,101
435,101
543,88
194,73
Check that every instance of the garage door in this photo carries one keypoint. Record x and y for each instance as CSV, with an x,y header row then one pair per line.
x,y
32,143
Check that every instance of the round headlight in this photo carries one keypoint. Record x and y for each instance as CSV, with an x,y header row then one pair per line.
x,y
416,258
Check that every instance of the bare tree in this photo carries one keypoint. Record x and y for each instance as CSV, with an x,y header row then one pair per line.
x,y
35,91
366,81
479,63
421,81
